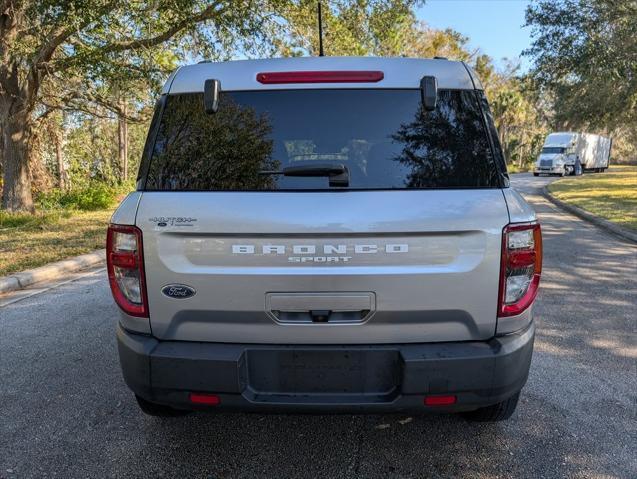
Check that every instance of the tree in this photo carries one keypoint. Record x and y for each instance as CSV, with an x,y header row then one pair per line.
x,y
518,114
226,151
350,28
73,55
423,41
52,40
585,57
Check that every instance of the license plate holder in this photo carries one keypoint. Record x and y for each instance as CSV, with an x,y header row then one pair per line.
x,y
319,371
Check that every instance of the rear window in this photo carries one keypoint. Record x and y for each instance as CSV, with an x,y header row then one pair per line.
x,y
382,138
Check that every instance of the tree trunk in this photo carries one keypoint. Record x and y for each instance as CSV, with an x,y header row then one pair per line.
x,y
1,150
502,136
503,142
63,177
523,154
123,142
16,186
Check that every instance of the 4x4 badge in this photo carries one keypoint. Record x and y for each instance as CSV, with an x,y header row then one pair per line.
x,y
178,291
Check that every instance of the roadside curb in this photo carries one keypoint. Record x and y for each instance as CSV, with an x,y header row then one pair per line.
x,y
52,271
612,228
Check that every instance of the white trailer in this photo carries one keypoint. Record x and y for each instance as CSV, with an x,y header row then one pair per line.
x,y
594,151
569,153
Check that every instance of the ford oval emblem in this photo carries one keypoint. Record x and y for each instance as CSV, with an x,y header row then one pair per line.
x,y
178,291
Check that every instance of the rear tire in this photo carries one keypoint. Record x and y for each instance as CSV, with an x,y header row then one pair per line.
x,y
158,410
494,413
536,174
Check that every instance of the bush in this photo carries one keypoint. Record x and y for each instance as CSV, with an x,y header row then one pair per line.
x,y
95,196
514,168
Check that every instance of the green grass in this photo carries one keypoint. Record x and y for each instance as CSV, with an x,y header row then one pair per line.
x,y
28,241
611,195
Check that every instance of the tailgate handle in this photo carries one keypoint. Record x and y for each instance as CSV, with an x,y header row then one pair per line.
x,y
295,308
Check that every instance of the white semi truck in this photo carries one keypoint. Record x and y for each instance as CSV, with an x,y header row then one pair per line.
x,y
570,153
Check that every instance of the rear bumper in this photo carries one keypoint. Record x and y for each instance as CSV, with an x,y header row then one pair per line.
x,y
361,378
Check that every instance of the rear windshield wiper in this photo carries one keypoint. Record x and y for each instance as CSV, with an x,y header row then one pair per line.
x,y
337,173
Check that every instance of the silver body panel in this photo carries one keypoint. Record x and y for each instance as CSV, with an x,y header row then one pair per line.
x,y
442,287
398,72
519,209
125,214
393,266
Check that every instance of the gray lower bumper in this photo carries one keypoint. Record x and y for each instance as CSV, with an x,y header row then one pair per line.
x,y
356,378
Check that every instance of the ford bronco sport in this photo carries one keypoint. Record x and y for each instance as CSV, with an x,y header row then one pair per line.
x,y
325,234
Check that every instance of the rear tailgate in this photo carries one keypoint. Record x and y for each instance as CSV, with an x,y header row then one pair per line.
x,y
324,267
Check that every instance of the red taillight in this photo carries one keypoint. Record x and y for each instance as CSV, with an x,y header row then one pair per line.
x,y
520,268
358,76
205,399
125,265
446,400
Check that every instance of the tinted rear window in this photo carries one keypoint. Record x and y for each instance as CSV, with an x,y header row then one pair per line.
x,y
383,138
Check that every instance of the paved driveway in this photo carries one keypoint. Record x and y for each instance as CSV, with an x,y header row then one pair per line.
x,y
65,411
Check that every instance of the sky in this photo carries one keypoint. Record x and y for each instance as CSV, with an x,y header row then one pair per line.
x,y
495,26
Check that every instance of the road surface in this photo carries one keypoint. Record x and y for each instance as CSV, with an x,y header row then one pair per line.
x,y
65,411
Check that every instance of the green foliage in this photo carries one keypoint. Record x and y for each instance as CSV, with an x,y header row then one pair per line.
x,y
350,28
518,111
106,58
98,62
514,168
584,54
95,196
519,116
227,149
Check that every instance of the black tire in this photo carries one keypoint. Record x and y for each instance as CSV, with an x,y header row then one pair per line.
x,y
536,174
158,410
494,413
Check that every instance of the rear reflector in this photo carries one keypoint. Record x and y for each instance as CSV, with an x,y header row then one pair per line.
x,y
205,399
440,400
369,76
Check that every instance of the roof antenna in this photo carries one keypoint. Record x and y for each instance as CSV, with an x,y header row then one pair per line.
x,y
320,25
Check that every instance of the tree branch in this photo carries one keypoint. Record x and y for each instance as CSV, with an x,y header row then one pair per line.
x,y
120,46
61,34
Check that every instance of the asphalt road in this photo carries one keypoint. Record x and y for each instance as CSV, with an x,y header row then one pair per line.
x,y
65,411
